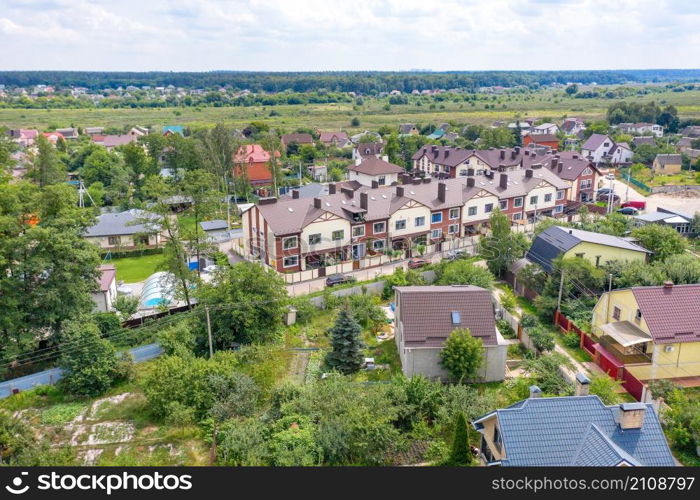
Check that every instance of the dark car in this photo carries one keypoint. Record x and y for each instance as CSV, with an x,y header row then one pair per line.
x,y
415,263
602,191
606,197
628,211
337,279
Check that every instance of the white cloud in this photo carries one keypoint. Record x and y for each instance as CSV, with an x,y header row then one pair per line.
x,y
340,34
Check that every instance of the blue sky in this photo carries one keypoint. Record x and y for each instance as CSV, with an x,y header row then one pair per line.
x,y
309,35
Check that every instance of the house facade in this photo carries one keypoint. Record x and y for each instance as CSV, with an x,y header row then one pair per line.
x,y
683,223
255,162
124,231
371,171
667,164
365,149
653,331
106,294
427,315
545,128
549,140
334,139
642,129
600,148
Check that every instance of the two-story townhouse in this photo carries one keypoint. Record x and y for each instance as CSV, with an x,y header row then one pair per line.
x,y
578,172
370,171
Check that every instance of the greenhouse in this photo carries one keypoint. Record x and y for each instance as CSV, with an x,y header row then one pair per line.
x,y
157,290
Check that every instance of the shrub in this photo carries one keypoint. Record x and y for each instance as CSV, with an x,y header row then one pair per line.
x,y
528,321
505,329
508,300
542,339
572,340
661,388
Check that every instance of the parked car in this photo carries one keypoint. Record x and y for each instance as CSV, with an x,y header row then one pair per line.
x,y
604,191
606,197
628,211
337,279
639,205
415,263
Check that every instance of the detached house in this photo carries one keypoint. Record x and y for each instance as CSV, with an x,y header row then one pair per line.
x,y
334,139
256,162
573,431
373,172
545,128
408,129
572,126
106,294
427,315
600,148
549,140
653,331
642,129
300,139
597,248
124,230
365,149
667,164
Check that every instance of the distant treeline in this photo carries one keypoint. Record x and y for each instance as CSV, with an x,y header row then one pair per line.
x,y
366,82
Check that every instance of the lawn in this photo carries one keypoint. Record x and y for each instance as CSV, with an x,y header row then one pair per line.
x,y
646,176
138,268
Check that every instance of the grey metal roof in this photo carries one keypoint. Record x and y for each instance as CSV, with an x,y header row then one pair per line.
x,y
214,225
578,430
123,223
555,240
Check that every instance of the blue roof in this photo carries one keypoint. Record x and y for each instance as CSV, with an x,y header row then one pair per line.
x,y
578,430
437,134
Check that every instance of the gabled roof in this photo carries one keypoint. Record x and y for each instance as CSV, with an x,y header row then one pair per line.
x,y
327,137
556,240
371,165
214,225
122,223
108,274
577,430
174,129
426,315
595,141
644,140
668,159
370,148
543,138
299,138
672,314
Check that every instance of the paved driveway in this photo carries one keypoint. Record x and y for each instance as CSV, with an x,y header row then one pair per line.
x,y
654,201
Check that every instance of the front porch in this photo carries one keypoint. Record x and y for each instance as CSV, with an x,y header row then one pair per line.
x,y
626,342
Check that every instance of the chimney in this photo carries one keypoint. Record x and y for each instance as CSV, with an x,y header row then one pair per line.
x,y
632,415
470,182
426,180
536,165
513,154
560,166
295,194
416,180
447,153
317,202
571,231
553,163
358,160
470,172
517,150
668,285
331,188
442,191
503,154
528,173
399,191
364,200
575,157
375,184
504,181
535,392
582,384
267,201
348,192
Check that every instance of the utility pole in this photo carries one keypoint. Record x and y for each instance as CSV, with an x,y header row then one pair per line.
x,y
561,289
211,347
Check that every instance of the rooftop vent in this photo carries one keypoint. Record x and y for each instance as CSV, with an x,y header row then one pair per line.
x,y
535,392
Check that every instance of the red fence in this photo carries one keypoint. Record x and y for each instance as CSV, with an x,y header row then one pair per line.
x,y
632,385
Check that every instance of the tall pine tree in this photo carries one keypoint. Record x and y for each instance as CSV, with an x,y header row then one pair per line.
x,y
346,356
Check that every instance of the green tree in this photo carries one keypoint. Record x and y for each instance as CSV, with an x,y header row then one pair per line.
x,y
461,454
247,304
663,241
571,89
462,272
346,341
46,166
198,187
90,363
606,388
462,355
126,306
502,247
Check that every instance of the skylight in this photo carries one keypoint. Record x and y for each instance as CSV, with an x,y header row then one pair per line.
x,y
456,319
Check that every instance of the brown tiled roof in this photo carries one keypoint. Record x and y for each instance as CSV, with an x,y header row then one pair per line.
x,y
370,148
573,165
298,138
672,314
544,137
645,139
426,313
107,275
327,137
595,140
371,165
669,159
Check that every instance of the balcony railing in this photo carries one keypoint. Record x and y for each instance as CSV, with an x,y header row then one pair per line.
x,y
616,350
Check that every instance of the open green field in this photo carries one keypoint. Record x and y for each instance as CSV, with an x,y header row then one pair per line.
x,y
372,114
134,269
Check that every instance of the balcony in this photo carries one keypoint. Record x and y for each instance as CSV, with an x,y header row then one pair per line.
x,y
625,355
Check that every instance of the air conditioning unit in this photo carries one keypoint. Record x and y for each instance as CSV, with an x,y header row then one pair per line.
x,y
669,348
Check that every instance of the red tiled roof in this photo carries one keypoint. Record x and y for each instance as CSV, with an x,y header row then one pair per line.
x,y
109,274
254,153
425,313
672,314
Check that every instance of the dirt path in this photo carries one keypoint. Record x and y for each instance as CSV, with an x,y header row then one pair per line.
x,y
297,367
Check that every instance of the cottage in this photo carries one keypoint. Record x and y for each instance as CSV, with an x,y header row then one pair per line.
x,y
600,148
334,139
408,129
549,140
653,331
299,139
124,230
574,431
173,129
667,164
256,162
597,248
105,296
683,223
371,171
427,315
365,149
545,128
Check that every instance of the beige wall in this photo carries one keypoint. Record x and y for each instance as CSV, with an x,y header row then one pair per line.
x,y
480,204
607,253
125,241
409,214
366,180
325,228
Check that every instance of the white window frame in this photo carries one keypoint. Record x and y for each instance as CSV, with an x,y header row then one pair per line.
x,y
436,233
560,194
488,208
296,261
421,218
518,202
548,197
381,180
432,214
534,199
453,229
501,204
374,227
380,247
114,240
396,225
471,211
517,216
354,230
558,209
286,239
320,237
342,235
456,213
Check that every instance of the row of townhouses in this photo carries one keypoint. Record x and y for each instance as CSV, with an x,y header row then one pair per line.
x,y
355,222
577,171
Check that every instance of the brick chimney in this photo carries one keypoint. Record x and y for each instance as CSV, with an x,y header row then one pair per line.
x,y
317,202
668,285
399,191
470,182
528,172
583,384
442,191
503,154
364,199
331,188
295,194
347,191
535,392
504,181
375,184
632,415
